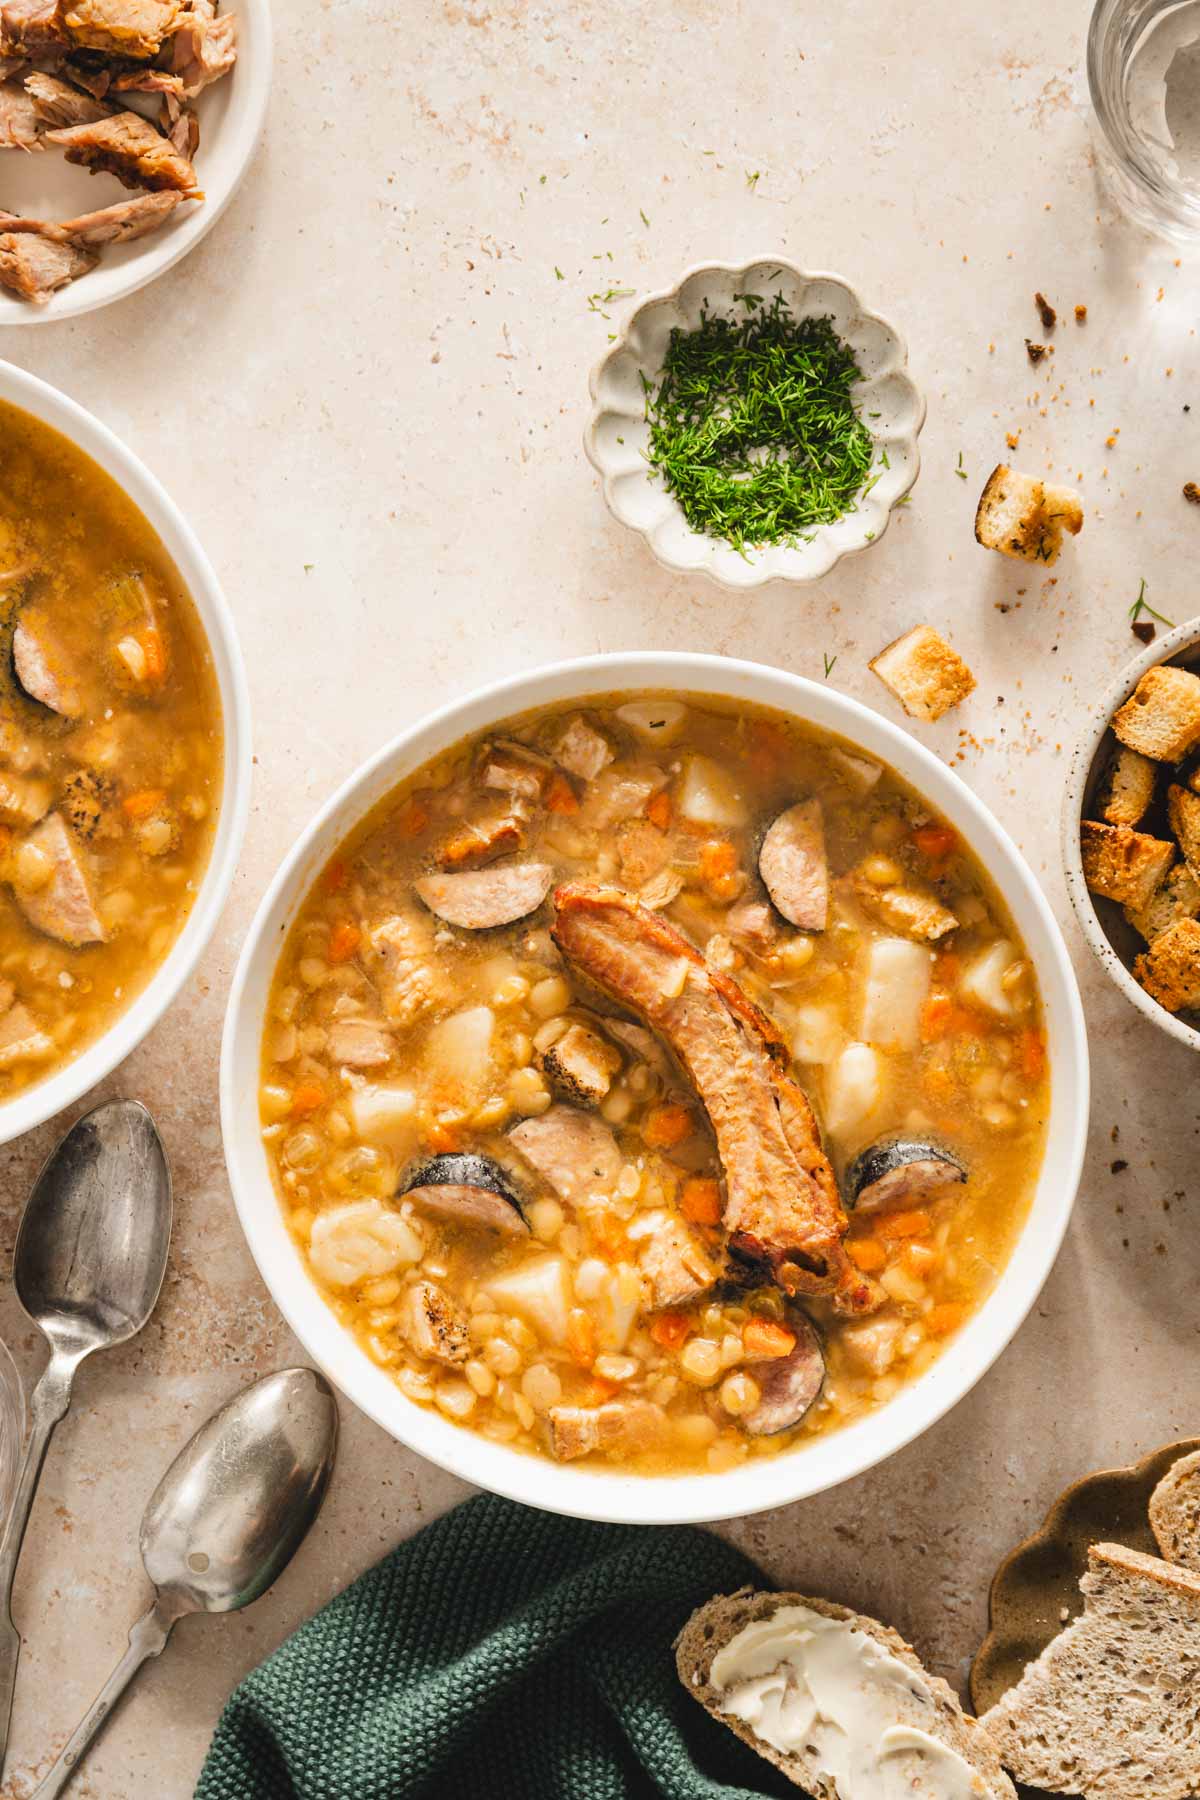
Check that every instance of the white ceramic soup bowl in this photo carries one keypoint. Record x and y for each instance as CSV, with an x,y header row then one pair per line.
x,y
195,571
604,1494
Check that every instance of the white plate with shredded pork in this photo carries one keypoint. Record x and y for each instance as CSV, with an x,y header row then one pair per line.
x,y
125,128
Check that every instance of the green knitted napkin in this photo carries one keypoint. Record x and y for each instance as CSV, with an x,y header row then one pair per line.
x,y
501,1654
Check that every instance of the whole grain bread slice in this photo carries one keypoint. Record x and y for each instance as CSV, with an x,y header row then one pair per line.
x,y
934,1709
1175,1512
1111,1709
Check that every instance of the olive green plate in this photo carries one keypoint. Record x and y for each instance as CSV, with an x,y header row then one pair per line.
x,y
1035,1591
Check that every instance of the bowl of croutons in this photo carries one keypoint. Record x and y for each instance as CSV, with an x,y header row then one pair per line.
x,y
1131,832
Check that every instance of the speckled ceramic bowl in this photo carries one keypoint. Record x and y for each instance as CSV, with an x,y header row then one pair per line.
x,y
1113,941
617,435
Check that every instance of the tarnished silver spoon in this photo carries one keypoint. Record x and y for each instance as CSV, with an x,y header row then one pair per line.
x,y
224,1521
88,1265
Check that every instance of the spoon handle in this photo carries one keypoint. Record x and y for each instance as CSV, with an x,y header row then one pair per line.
x,y
146,1639
49,1401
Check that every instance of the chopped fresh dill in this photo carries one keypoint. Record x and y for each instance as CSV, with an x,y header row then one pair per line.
x,y
598,302
753,177
960,471
541,180
643,218
558,274
830,663
1142,605
753,428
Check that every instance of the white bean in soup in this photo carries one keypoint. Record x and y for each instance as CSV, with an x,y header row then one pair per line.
x,y
547,1048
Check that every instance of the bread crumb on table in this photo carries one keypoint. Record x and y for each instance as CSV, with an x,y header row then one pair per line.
x,y
1025,518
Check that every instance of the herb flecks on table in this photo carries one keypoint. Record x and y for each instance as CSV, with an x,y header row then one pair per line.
x,y
753,428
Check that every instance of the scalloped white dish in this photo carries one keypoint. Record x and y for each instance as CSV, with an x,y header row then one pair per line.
x,y
617,436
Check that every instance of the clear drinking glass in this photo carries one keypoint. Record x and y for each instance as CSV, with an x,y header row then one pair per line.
x,y
1143,61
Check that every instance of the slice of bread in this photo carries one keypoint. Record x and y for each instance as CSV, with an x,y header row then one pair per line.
x,y
1123,865
1170,969
926,674
1175,1512
1161,717
1127,788
1111,1709
930,1706
1025,518
1176,897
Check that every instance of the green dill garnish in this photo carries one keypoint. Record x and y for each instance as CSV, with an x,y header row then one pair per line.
x,y
643,218
752,425
558,274
541,181
960,471
830,663
598,302
753,177
1142,605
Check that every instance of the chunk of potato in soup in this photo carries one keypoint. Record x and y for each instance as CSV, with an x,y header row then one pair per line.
x,y
546,1055
110,752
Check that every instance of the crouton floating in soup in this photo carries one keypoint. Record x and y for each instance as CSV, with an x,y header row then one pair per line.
x,y
655,1084
110,752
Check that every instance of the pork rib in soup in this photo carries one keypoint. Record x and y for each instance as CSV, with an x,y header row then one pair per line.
x,y
653,1084
110,752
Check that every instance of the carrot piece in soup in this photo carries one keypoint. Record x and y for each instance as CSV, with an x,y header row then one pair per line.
x,y
335,876
154,649
904,1225
560,796
307,1097
1032,1055
700,1200
671,1329
763,1338
344,940
867,1254
581,1337
945,1318
659,810
142,804
667,1126
935,841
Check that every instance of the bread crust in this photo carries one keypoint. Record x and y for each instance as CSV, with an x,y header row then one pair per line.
x,y
712,1626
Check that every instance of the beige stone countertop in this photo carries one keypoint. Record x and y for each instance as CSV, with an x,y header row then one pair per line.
x,y
367,388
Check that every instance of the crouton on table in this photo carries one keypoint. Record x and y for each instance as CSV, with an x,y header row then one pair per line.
x,y
926,674
1025,518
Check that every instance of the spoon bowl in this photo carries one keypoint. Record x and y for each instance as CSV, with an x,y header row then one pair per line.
x,y
91,1251
230,1512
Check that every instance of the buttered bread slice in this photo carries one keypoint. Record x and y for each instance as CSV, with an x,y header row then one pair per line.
x,y
838,1702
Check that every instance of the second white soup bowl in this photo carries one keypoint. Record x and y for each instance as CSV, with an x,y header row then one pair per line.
x,y
601,1494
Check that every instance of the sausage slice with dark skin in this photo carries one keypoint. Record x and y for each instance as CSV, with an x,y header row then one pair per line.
x,y
794,868
782,1211
482,899
897,1170
788,1385
466,1190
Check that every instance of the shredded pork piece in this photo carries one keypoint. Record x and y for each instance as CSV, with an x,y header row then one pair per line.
x,y
204,46
34,267
127,146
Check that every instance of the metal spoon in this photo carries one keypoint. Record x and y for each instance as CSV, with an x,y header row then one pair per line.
x,y
90,1258
223,1523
